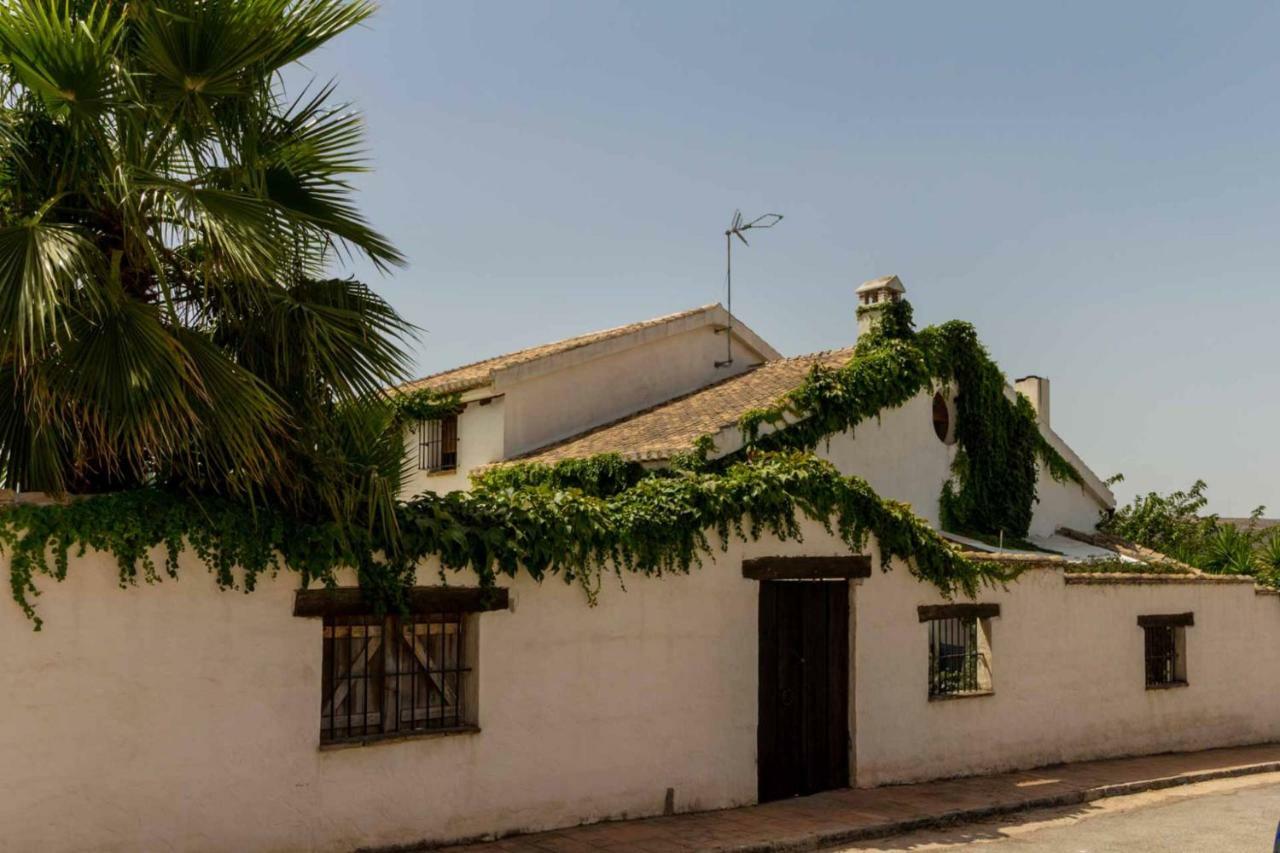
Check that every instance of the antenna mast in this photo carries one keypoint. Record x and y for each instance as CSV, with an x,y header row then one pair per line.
x,y
736,227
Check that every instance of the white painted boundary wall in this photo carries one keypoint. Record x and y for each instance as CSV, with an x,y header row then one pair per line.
x,y
1068,676
180,717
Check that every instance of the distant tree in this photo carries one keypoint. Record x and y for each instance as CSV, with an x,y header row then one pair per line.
x,y
167,216
1176,524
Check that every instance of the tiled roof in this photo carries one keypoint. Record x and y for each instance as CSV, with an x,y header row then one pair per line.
x,y
481,373
669,428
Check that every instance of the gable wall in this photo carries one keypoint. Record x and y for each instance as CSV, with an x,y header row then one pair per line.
x,y
546,408
900,455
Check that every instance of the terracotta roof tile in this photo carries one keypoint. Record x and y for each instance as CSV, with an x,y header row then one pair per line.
x,y
669,428
480,373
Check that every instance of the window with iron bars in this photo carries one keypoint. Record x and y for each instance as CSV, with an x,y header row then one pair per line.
x,y
438,444
959,661
1164,655
388,676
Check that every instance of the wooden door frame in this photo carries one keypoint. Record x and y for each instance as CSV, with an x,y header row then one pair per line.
x,y
777,571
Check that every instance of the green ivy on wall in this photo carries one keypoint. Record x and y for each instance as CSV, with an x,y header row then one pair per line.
x,y
993,484
580,518
425,405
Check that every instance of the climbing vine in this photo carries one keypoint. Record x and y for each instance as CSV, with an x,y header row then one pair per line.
x,y
655,525
580,518
425,405
993,482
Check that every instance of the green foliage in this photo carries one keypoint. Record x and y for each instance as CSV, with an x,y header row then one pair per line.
x,y
993,485
425,405
1176,524
225,535
1118,566
1172,523
659,524
579,518
599,476
167,217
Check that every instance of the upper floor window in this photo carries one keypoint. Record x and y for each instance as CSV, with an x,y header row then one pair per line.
x,y
943,422
438,444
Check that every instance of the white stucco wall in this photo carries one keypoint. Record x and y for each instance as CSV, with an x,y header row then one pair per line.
x,y
900,455
180,717
1068,677
548,407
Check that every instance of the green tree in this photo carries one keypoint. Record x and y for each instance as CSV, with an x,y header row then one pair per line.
x,y
167,217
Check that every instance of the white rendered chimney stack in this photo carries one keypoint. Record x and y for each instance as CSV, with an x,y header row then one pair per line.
x,y
873,296
1035,389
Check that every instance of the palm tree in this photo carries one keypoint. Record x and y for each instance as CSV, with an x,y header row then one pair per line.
x,y
167,216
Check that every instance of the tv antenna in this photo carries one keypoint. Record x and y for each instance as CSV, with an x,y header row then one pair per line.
x,y
736,227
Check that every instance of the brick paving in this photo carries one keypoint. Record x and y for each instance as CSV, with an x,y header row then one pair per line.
x,y
835,817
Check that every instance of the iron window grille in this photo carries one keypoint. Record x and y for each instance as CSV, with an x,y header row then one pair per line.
x,y
1164,662
958,661
438,444
385,676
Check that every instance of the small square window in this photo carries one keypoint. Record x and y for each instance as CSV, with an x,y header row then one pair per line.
x,y
1165,647
386,676
438,444
959,656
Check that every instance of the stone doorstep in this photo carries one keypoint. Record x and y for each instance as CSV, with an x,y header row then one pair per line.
x,y
818,840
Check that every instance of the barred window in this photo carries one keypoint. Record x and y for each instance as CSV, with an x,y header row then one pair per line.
x,y
438,444
959,648
389,676
1164,641
957,661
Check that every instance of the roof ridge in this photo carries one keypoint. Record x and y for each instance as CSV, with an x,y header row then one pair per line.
x,y
569,343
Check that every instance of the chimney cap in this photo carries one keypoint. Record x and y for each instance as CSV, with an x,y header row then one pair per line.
x,y
888,282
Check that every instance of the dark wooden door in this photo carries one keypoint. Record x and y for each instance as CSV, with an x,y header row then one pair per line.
x,y
803,735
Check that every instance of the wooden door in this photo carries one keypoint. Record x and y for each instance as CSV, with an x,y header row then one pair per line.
x,y
803,733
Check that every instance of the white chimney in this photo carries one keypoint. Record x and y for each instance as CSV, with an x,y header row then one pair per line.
x,y
873,296
1035,389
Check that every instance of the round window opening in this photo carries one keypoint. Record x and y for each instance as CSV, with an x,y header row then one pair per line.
x,y
942,419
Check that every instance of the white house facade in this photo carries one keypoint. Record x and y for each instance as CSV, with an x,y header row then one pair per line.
x,y
177,716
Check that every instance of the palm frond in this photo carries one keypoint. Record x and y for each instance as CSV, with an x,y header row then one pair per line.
x,y
68,58
308,152
335,334
40,266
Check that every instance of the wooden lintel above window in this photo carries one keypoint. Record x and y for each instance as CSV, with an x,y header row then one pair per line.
x,y
350,601
807,568
929,612
1167,620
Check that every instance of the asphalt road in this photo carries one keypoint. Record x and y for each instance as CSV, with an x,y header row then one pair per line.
x,y
1227,815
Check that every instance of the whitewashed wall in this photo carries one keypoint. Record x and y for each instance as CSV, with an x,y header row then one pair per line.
x,y
1068,677
581,394
180,717
900,455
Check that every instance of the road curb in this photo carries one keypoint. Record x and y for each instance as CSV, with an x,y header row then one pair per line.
x,y
830,838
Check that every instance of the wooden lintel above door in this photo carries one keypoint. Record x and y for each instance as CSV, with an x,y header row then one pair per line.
x,y
807,568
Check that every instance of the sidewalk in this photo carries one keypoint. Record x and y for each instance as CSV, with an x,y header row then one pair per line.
x,y
848,815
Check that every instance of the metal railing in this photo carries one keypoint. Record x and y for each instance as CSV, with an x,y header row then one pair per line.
x,y
956,662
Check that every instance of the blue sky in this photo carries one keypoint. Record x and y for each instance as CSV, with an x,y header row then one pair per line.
x,y
1093,184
